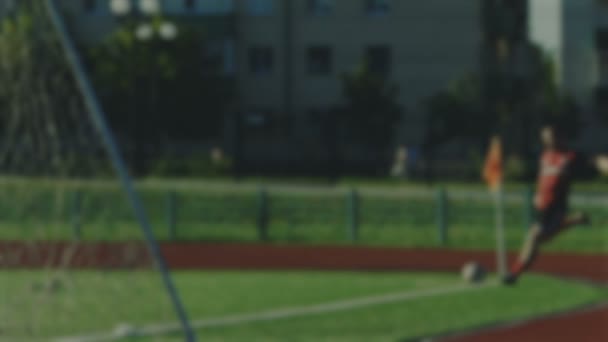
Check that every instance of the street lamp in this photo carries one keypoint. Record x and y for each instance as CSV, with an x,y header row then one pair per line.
x,y
149,7
136,14
168,31
144,32
124,7
120,7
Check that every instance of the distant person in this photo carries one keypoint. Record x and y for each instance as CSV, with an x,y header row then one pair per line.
x,y
558,166
400,163
217,155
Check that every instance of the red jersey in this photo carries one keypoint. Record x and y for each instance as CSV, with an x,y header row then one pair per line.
x,y
554,179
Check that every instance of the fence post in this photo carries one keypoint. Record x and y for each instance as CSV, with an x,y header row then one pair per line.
x,y
171,210
352,211
77,215
528,207
442,216
263,214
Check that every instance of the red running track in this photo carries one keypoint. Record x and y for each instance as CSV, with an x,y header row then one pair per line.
x,y
593,267
584,326
184,256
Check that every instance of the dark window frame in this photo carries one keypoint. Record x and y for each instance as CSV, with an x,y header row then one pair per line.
x,y
261,59
314,7
257,11
265,123
89,6
379,59
319,60
189,5
376,8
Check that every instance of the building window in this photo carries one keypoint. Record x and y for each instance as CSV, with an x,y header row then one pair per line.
x,y
229,60
319,60
261,60
219,56
378,59
603,65
260,7
601,45
7,5
216,7
264,124
321,7
189,5
377,7
89,6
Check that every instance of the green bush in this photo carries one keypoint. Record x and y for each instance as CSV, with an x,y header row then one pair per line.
x,y
190,166
514,168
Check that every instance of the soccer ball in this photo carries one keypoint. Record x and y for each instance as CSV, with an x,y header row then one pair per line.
x,y
473,272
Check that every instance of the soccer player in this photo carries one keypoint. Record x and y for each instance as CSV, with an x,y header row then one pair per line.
x,y
557,168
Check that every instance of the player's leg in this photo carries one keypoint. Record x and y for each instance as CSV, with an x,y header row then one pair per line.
x,y
552,223
576,219
528,253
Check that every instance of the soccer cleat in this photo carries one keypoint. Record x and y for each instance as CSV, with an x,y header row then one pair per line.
x,y
585,220
509,280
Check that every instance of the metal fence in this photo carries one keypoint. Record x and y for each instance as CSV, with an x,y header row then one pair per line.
x,y
421,217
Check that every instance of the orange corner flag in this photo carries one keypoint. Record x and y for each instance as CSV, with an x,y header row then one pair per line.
x,y
492,170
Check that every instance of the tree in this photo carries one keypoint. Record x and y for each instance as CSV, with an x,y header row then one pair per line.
x,y
473,108
549,102
371,109
456,113
39,100
158,90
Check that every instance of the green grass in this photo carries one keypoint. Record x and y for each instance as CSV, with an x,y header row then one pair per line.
x,y
423,317
96,302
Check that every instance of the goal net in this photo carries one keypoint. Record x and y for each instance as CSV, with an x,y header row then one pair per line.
x,y
66,268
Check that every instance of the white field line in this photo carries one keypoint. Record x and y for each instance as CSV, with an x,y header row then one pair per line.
x,y
277,314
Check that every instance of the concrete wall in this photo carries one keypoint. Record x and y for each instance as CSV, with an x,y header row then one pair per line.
x,y
94,26
546,29
432,42
580,68
565,29
260,91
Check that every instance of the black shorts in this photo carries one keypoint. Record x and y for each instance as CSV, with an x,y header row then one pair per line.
x,y
551,219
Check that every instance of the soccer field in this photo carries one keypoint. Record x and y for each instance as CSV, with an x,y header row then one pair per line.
x,y
398,320
387,306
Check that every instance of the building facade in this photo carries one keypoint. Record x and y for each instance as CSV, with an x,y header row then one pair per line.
x,y
288,56
294,52
575,35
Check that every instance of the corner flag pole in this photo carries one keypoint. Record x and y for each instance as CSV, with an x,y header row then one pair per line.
x,y
501,250
493,175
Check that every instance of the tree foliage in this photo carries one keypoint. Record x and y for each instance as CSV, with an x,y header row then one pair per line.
x,y
457,113
40,105
475,107
165,86
371,110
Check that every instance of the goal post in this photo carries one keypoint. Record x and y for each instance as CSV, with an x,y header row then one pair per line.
x,y
60,169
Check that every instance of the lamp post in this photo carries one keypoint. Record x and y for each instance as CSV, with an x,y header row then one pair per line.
x,y
120,8
145,31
